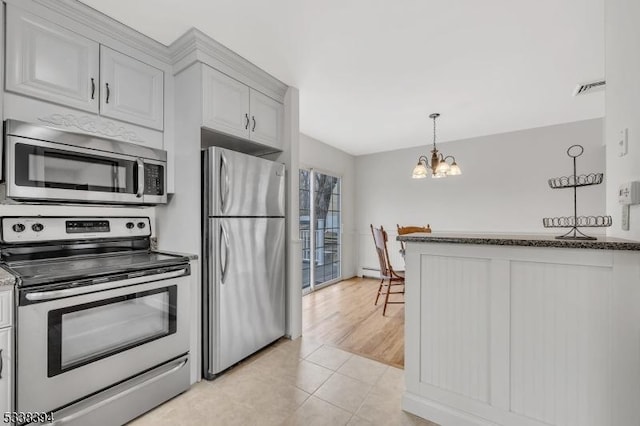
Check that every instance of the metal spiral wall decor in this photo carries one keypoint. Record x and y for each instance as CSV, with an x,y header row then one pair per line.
x,y
574,222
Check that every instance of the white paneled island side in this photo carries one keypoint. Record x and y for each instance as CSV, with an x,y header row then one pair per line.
x,y
522,330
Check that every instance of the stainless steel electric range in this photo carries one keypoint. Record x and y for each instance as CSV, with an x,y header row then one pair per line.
x,y
102,322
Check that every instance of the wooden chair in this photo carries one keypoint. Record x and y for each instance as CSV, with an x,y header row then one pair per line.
x,y
387,273
402,230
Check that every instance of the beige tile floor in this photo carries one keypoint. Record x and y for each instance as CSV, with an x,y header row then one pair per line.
x,y
293,382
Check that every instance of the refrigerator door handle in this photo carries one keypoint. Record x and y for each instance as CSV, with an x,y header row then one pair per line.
x,y
223,181
224,254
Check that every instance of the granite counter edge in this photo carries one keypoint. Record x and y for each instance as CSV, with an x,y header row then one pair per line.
x,y
6,278
524,242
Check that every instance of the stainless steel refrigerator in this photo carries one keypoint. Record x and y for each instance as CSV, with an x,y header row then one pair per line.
x,y
243,256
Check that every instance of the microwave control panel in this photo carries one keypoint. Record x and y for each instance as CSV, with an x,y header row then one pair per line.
x,y
153,179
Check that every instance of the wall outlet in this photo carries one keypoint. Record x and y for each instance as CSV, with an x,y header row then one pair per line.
x,y
629,193
623,142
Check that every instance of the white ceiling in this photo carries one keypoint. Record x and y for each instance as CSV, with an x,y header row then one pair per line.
x,y
371,71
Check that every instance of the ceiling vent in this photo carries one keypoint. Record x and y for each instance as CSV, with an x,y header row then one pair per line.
x,y
590,87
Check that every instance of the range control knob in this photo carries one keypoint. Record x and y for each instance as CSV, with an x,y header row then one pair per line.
x,y
18,227
130,225
37,227
141,225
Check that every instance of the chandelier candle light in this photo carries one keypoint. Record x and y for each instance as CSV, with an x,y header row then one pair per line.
x,y
439,166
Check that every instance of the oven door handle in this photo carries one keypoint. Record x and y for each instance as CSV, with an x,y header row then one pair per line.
x,y
41,296
140,192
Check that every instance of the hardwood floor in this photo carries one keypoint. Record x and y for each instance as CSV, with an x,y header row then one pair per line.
x,y
343,315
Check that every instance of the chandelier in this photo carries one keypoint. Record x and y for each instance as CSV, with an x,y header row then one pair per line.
x,y
439,166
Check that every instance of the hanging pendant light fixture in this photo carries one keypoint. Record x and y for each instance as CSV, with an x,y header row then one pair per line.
x,y
439,166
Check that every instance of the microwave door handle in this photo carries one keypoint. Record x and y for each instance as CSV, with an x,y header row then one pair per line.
x,y
140,178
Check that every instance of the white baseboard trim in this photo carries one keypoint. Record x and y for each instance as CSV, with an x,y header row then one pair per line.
x,y
441,414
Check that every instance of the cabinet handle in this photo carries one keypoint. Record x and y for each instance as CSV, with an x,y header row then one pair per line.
x,y
246,126
253,129
1,364
93,88
108,93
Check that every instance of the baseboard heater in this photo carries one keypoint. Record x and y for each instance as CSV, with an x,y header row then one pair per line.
x,y
371,272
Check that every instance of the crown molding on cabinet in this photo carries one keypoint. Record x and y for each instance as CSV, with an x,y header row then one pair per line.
x,y
195,46
102,23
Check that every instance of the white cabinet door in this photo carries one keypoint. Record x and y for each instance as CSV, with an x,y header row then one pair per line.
x,y
6,378
225,103
130,90
266,120
49,62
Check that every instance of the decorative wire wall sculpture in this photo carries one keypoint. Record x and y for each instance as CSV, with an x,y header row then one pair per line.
x,y
574,222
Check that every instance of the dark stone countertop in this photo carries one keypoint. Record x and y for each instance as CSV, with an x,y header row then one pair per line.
x,y
6,278
527,240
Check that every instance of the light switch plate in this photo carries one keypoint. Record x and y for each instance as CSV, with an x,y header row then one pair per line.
x,y
623,142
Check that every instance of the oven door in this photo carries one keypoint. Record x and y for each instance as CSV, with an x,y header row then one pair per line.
x,y
73,342
41,170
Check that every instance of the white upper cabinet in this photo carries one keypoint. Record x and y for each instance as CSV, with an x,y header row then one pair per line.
x,y
52,63
234,108
49,62
266,119
225,103
130,90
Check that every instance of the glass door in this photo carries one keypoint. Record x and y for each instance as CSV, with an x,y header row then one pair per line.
x,y
320,228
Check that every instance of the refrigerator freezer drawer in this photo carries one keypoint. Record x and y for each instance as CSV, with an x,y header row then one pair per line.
x,y
245,287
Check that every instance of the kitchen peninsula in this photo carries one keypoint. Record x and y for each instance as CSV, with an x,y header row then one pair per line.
x,y
522,330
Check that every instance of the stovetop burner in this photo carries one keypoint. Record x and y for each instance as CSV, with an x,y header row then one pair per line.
x,y
36,272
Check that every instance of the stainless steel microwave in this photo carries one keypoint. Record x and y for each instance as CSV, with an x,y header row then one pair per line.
x,y
46,164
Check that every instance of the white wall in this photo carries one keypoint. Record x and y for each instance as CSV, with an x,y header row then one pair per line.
x,y
503,187
179,220
622,105
324,158
291,157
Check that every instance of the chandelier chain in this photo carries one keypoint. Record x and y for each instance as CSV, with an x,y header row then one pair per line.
x,y
434,133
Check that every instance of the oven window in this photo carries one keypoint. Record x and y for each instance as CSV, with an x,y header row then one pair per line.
x,y
85,333
55,168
